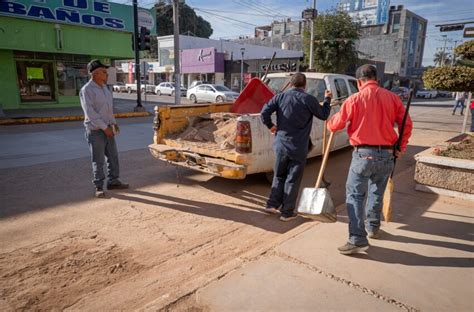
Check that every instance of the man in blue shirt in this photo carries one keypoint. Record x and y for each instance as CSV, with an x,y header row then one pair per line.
x,y
101,127
294,118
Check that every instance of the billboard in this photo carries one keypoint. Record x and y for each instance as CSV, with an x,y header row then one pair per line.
x,y
367,12
89,13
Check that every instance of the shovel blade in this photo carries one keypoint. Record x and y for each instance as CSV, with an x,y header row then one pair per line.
x,y
317,204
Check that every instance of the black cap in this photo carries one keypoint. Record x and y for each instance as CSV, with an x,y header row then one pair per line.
x,y
94,64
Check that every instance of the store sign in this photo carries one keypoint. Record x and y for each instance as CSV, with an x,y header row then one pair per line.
x,y
204,60
91,13
282,67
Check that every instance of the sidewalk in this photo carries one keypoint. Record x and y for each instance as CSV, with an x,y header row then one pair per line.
x,y
122,109
423,261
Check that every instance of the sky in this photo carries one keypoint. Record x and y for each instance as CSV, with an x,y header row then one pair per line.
x,y
232,18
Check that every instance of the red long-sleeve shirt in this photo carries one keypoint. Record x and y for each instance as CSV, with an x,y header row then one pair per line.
x,y
372,114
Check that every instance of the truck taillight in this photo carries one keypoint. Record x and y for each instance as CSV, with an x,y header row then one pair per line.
x,y
243,139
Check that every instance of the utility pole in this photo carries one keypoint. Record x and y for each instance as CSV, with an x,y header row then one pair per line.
x,y
311,45
242,51
177,72
454,51
136,44
444,49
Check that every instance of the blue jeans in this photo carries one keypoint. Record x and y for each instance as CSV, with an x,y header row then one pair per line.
x,y
459,103
366,183
472,119
287,177
103,148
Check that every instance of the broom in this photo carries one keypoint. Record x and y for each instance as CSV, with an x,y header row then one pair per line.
x,y
387,196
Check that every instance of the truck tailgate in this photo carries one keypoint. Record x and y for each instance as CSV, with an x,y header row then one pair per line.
x,y
189,156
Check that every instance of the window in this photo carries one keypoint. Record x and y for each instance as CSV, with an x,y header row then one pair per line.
x,y
396,23
35,81
316,87
277,84
341,88
353,86
71,78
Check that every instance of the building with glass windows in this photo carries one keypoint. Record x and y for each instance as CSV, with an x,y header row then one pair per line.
x,y
46,45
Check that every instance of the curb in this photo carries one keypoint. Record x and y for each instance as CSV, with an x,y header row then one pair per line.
x,y
35,120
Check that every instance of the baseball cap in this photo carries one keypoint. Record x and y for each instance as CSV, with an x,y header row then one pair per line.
x,y
94,64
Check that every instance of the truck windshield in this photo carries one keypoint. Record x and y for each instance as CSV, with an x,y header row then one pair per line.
x,y
314,87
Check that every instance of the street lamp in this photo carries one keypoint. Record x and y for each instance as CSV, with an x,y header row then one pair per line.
x,y
242,51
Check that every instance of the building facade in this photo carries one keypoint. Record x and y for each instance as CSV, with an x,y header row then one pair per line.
x,y
46,45
399,43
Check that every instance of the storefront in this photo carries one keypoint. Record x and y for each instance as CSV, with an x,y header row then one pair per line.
x,y
202,64
46,45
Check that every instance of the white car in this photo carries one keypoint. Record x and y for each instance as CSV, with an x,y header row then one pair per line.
x,y
426,94
168,88
211,93
119,87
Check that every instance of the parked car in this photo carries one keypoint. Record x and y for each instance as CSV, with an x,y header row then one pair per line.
x,y
119,87
211,93
196,83
402,92
447,94
426,94
132,87
168,88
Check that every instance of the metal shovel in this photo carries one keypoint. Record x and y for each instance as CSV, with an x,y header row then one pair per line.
x,y
316,203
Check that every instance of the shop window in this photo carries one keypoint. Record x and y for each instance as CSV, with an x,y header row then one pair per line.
x,y
341,88
35,81
71,78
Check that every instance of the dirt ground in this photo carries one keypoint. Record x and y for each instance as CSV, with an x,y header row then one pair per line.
x,y
462,150
172,232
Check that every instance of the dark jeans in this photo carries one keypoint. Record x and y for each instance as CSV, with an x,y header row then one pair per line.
x,y
287,177
103,148
367,180
459,103
472,119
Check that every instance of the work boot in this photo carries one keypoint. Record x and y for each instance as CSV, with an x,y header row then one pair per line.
x,y
99,192
117,185
373,234
349,248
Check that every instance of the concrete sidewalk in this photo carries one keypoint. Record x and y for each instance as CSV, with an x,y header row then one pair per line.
x,y
122,109
423,261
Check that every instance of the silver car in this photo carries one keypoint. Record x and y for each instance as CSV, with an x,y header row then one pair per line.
x,y
211,93
168,88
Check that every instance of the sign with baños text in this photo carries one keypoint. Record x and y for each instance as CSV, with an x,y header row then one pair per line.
x,y
89,13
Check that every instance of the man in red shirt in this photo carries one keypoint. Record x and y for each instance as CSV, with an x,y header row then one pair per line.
x,y
370,115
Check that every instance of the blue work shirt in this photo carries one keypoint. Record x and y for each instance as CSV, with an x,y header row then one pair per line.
x,y
294,111
97,104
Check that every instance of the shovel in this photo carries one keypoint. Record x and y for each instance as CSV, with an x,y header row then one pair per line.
x,y
316,203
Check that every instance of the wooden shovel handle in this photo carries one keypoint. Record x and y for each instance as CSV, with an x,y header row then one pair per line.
x,y
325,136
325,160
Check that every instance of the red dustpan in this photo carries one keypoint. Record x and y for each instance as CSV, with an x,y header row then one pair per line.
x,y
252,99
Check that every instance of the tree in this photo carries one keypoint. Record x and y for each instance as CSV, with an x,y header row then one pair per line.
x,y
335,35
454,78
442,58
189,21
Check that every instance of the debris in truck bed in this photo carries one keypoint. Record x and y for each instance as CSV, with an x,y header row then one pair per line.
x,y
219,128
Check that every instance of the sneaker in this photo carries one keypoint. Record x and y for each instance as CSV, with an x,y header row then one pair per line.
x,y
99,192
271,210
349,248
117,186
374,235
288,218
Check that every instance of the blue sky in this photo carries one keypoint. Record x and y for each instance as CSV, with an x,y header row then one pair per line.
x,y
231,18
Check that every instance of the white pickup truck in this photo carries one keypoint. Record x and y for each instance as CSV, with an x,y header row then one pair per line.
x,y
210,139
132,87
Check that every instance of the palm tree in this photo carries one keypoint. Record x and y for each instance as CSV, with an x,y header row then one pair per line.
x,y
442,58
